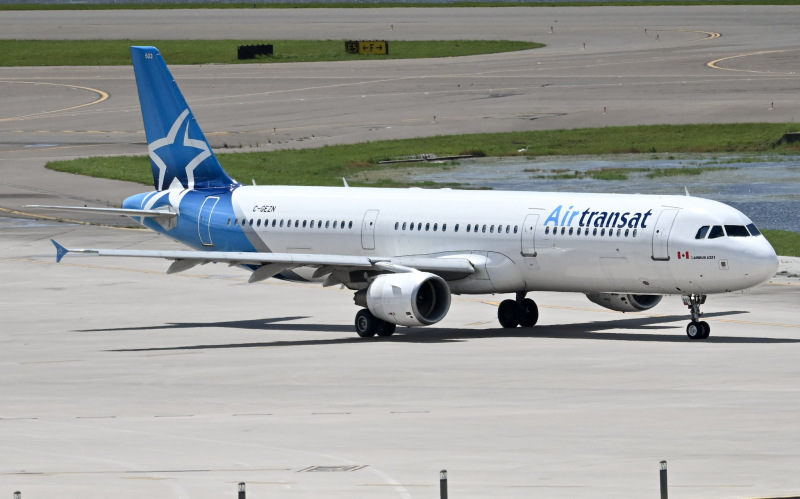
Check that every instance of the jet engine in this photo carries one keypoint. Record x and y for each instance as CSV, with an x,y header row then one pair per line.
x,y
408,299
625,303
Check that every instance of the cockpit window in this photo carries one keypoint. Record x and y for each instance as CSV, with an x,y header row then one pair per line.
x,y
701,233
716,231
737,231
753,230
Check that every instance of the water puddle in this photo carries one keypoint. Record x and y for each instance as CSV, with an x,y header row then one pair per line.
x,y
766,189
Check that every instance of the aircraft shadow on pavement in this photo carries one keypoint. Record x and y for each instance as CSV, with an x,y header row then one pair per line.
x,y
614,330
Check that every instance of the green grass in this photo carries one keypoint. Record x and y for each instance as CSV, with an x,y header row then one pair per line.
x,y
327,165
357,5
786,243
678,172
621,173
175,52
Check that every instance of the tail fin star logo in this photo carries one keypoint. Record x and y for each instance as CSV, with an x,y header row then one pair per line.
x,y
170,157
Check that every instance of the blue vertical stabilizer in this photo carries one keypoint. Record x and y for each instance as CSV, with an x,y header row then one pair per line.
x,y
179,152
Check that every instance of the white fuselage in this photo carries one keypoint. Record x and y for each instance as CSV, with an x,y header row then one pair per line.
x,y
517,240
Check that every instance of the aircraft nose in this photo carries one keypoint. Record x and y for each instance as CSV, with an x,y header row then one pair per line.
x,y
762,262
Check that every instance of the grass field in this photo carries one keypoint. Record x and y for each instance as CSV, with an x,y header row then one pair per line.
x,y
117,52
327,165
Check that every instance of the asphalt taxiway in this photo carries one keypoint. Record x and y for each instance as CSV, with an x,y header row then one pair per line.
x,y
119,380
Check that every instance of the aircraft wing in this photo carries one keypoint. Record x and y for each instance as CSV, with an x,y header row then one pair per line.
x,y
270,264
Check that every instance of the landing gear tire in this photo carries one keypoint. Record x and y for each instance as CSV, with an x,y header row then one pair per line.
x,y
366,323
698,330
385,328
694,330
529,314
706,329
508,313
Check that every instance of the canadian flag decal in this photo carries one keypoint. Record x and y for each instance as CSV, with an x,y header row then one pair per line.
x,y
684,254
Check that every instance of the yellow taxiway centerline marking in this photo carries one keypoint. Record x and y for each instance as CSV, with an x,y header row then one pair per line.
x,y
103,96
714,64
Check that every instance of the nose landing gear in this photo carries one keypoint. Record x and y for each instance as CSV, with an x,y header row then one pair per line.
x,y
697,329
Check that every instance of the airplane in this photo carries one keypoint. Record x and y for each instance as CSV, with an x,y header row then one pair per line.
x,y
405,252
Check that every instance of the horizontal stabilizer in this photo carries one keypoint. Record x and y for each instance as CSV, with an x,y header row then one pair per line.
x,y
108,211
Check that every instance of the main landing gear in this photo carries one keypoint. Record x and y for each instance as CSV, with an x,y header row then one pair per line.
x,y
367,325
697,329
522,312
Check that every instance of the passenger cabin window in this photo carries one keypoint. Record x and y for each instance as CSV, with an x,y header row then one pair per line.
x,y
716,231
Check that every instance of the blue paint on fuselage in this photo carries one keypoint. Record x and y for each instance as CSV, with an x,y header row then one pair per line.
x,y
221,230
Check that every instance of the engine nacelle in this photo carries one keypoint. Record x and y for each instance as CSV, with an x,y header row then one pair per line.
x,y
624,303
408,299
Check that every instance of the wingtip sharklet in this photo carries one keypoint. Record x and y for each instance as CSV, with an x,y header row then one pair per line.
x,y
60,251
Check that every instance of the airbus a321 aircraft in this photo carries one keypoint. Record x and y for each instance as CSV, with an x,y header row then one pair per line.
x,y
405,251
